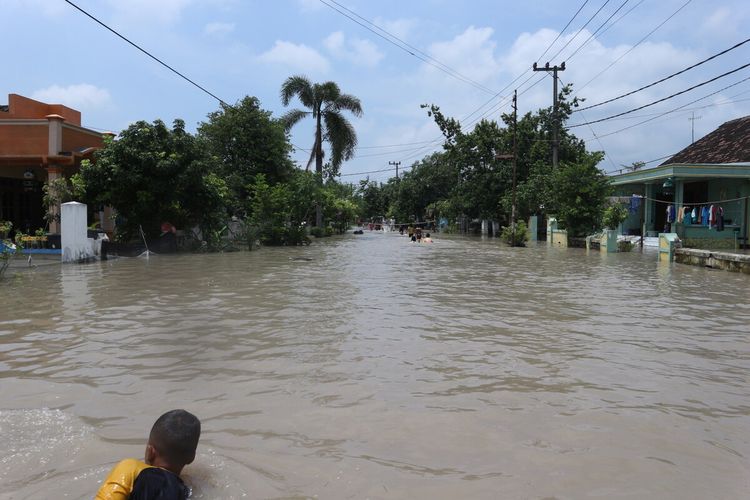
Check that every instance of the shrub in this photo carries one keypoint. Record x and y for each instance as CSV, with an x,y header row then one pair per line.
x,y
614,215
517,238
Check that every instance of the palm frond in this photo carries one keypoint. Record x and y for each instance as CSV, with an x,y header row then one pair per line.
x,y
341,135
299,86
292,117
327,92
350,103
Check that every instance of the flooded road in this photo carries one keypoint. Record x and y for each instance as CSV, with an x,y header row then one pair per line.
x,y
370,367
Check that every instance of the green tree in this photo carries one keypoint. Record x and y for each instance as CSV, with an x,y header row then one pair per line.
x,y
579,195
325,103
248,142
153,174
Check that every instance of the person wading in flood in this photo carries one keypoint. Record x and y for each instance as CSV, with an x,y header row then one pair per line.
x,y
171,445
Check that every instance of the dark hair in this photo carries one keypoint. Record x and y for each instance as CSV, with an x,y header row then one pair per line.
x,y
175,436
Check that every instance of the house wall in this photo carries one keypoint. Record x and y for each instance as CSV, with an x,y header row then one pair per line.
x,y
29,137
77,139
20,107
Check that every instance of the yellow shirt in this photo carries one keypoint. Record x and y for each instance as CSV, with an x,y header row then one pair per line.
x,y
119,483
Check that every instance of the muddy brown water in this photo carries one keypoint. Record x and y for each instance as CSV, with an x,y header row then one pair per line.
x,y
370,367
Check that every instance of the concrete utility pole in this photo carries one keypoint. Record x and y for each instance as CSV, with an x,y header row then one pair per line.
x,y
555,119
515,161
397,163
692,126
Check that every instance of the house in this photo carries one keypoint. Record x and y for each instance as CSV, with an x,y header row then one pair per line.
x,y
38,142
713,171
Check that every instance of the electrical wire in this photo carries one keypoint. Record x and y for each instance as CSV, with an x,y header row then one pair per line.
x,y
149,54
580,30
675,109
634,46
592,35
406,47
221,101
563,30
666,77
662,99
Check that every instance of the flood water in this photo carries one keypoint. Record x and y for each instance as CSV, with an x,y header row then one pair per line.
x,y
371,367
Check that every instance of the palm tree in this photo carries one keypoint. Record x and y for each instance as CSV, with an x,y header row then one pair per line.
x,y
325,102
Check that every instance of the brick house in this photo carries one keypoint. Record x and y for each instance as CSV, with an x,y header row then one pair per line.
x,y
38,142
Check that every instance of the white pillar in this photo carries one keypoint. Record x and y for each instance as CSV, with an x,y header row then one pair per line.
x,y
73,234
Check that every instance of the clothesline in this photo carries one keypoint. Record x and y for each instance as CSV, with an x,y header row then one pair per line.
x,y
667,202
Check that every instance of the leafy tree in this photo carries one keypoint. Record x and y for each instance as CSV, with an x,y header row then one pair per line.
x,y
325,103
248,142
579,195
152,174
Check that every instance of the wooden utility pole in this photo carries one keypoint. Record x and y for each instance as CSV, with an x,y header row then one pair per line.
x,y
396,163
555,119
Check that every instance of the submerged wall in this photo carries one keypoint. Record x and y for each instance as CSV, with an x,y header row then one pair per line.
x,y
719,260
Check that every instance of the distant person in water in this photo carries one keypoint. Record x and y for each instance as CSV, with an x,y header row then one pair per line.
x,y
427,238
171,446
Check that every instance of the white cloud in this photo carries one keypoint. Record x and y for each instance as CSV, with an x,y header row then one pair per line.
x,y
46,7
218,29
401,28
309,5
149,11
357,51
472,53
299,57
81,96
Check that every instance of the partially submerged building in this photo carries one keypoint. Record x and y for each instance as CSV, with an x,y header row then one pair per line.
x,y
38,142
711,176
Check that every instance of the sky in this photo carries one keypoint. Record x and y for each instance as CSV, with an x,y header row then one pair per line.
x,y
466,57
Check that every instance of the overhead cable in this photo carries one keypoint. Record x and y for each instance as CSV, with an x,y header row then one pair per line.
x,y
674,109
662,99
406,47
634,46
666,77
592,35
149,54
563,30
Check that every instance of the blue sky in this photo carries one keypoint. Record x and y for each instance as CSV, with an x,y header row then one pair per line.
x,y
235,48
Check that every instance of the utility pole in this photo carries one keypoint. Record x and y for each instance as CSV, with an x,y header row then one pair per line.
x,y
555,121
397,163
692,126
515,161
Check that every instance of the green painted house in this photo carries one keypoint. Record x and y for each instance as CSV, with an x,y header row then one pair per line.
x,y
712,172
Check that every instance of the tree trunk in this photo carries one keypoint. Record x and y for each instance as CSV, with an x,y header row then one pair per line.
x,y
319,170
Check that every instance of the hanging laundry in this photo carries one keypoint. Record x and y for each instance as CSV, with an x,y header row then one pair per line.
x,y
670,213
635,203
712,216
688,217
705,212
697,215
719,219
680,214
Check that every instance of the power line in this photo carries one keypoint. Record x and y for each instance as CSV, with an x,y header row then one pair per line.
x,y
221,101
592,35
149,54
662,99
631,9
563,30
675,109
579,30
666,77
634,46
406,47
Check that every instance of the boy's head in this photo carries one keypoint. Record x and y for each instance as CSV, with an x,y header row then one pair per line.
x,y
173,440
